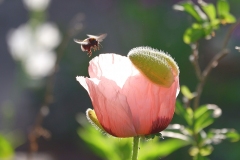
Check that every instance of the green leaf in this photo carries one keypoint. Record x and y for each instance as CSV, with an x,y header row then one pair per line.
x,y
155,149
204,121
193,151
185,113
228,18
192,9
186,92
223,9
104,146
6,149
215,24
233,135
176,135
209,9
216,136
206,150
200,111
193,34
203,116
199,154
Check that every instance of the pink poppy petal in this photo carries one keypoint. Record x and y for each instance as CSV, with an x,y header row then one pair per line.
x,y
150,104
111,66
111,107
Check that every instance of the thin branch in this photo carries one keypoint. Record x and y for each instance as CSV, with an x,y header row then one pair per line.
x,y
194,59
213,63
48,99
229,33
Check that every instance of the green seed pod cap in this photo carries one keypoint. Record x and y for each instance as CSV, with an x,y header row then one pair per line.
x,y
156,65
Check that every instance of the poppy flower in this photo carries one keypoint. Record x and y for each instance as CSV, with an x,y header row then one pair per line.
x,y
126,102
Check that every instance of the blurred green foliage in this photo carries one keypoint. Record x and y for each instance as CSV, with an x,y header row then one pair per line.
x,y
109,148
195,123
207,17
6,149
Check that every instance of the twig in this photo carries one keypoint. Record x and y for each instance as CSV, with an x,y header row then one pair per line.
x,y
194,59
48,99
212,64
205,73
229,33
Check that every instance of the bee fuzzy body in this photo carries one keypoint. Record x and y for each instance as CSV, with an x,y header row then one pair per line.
x,y
93,42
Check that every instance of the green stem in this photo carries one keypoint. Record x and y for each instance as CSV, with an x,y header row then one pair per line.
x,y
135,147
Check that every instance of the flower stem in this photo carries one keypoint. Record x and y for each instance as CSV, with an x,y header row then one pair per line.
x,y
135,147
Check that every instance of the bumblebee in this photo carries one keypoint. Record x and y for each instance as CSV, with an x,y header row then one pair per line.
x,y
92,42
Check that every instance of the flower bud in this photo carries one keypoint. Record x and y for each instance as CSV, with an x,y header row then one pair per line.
x,y
125,102
156,65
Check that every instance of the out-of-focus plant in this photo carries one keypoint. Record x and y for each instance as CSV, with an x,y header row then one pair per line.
x,y
109,148
33,44
208,18
198,117
6,149
37,46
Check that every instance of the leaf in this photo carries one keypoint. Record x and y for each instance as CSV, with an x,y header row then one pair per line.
x,y
228,18
206,150
233,135
192,9
216,136
178,131
185,113
204,121
200,111
199,154
215,24
6,149
104,146
155,149
193,34
223,9
204,116
209,9
186,92
177,135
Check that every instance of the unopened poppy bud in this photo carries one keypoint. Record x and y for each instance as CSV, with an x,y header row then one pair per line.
x,y
156,65
125,102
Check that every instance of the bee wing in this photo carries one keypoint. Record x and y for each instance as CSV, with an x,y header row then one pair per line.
x,y
99,38
80,41
92,36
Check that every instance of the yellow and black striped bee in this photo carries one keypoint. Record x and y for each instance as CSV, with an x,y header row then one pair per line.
x,y
93,42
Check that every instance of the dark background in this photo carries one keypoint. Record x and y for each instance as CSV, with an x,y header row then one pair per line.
x,y
128,24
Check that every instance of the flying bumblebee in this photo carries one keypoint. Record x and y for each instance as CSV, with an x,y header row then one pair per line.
x,y
93,42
